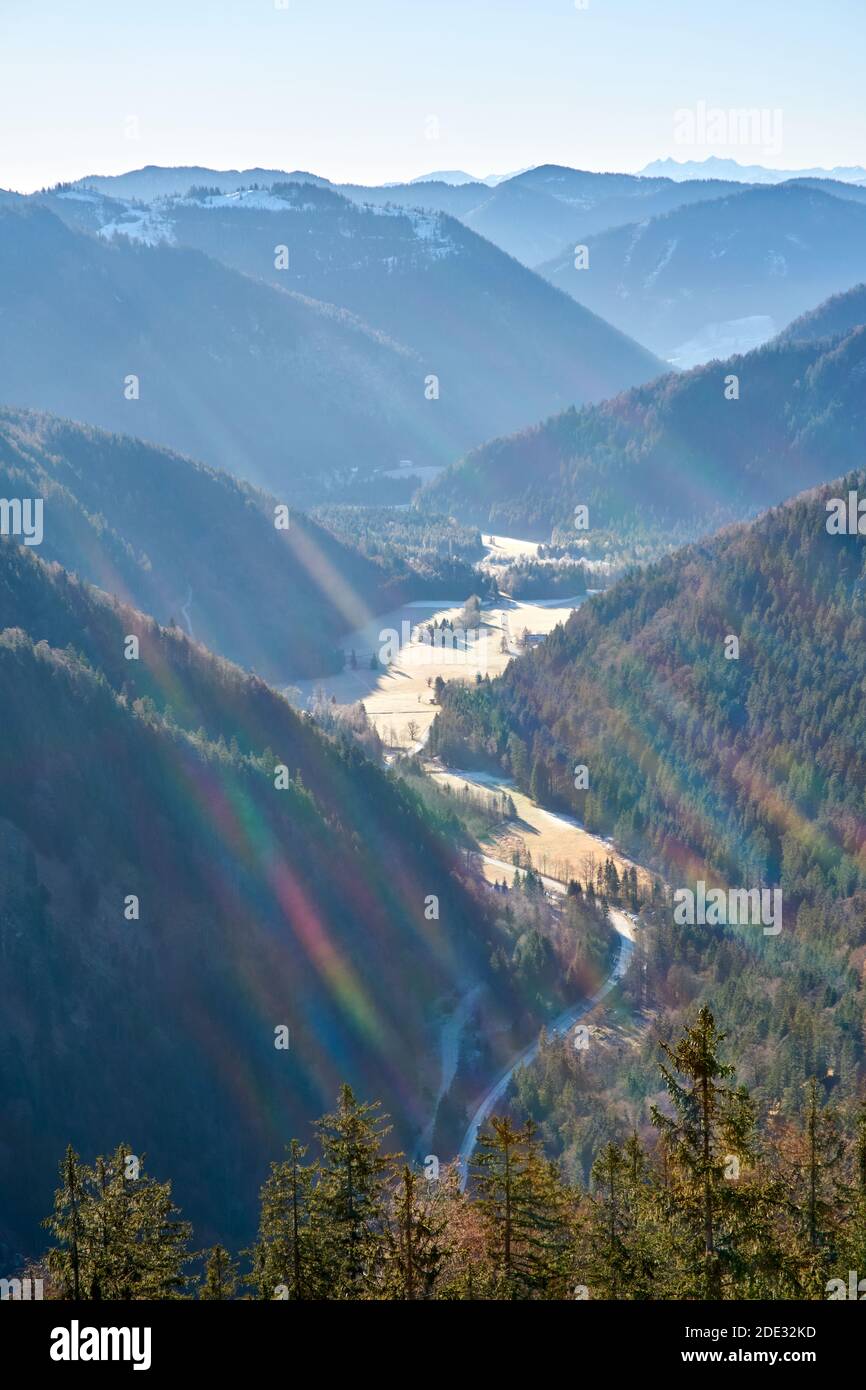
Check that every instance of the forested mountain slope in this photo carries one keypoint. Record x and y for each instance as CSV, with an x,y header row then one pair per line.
x,y
743,770
837,315
171,898
751,768
504,346
167,344
742,265
680,457
192,545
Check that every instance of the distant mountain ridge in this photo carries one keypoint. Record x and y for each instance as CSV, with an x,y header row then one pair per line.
x,y
458,176
193,546
680,457
375,336
715,168
760,253
157,181
530,215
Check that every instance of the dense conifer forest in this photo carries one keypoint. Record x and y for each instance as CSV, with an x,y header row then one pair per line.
x,y
746,770
711,1206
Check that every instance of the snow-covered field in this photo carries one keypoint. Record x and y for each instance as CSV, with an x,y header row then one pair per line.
x,y
399,698
560,846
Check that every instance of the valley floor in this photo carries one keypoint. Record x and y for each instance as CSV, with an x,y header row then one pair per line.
x,y
399,702
559,846
399,699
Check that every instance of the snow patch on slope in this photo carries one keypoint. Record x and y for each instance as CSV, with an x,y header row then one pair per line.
x,y
669,250
146,226
258,198
719,341
426,227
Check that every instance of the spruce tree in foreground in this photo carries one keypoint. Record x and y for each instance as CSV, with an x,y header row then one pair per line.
x,y
551,1209
414,1247
67,1226
711,1131
285,1260
852,1243
118,1232
824,1149
624,1249
221,1276
348,1201
525,1213
818,1200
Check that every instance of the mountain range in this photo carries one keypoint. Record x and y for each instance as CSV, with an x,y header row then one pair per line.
x,y
308,380
531,215
694,269
715,168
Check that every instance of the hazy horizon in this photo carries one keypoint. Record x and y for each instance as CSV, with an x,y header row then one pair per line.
x,y
399,92
501,175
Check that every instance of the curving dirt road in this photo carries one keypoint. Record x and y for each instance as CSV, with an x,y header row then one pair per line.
x,y
567,1019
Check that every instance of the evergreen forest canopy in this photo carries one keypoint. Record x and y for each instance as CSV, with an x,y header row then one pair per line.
x,y
714,1208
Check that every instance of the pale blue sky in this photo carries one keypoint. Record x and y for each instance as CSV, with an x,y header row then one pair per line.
x,y
347,88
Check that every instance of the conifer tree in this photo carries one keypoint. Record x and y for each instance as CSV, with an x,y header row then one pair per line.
x,y
523,1211
348,1204
67,1226
852,1254
414,1247
119,1234
712,1124
824,1150
549,1215
497,1178
285,1263
221,1276
614,1265
810,1160
627,1249
539,782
